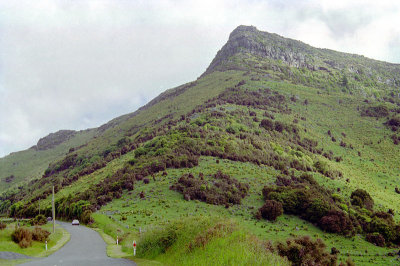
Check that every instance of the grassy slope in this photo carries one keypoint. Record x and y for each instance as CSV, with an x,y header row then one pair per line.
x,y
324,112
30,164
163,205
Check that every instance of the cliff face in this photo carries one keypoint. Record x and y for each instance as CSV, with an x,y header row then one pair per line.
x,y
249,47
247,39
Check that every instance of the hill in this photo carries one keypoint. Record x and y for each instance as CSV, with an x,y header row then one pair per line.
x,y
273,125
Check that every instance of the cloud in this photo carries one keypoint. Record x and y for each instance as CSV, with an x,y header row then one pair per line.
x,y
77,64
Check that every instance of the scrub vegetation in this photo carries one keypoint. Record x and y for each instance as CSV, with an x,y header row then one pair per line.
x,y
279,153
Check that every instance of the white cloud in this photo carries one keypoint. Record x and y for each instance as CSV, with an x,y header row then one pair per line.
x,y
77,64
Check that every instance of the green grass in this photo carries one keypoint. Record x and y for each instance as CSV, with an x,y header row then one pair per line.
x,y
55,242
162,205
31,164
230,245
376,170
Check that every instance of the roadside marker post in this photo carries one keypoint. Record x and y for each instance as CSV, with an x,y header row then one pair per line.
x,y
134,247
117,240
46,245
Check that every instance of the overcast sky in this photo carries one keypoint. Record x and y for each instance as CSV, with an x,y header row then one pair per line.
x,y
78,64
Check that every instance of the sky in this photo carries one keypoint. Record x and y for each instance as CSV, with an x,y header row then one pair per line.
x,y
78,64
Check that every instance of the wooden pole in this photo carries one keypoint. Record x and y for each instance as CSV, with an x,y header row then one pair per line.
x,y
54,213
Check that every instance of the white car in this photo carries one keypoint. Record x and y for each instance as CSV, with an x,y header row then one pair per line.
x,y
75,222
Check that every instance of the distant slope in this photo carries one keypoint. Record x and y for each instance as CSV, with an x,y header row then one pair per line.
x,y
18,168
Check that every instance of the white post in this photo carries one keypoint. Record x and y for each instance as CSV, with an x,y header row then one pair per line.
x,y
54,213
117,240
134,247
46,245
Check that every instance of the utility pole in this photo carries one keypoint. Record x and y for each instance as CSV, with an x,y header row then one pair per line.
x,y
54,213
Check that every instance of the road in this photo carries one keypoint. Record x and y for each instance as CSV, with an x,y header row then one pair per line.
x,y
85,248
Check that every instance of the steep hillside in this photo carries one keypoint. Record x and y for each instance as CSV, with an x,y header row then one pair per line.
x,y
18,168
273,125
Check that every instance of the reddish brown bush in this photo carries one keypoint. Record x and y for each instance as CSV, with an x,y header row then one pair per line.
x,y
39,234
22,236
222,190
305,251
2,226
336,222
376,239
24,243
270,210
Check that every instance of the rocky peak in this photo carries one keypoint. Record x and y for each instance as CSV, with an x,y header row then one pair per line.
x,y
249,40
54,139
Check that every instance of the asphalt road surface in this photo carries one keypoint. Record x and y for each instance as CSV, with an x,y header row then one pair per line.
x,y
85,248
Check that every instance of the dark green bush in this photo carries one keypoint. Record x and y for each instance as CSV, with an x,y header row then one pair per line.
x,y
40,219
361,198
86,217
384,227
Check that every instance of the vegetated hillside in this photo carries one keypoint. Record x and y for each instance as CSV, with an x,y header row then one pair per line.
x,y
18,168
273,130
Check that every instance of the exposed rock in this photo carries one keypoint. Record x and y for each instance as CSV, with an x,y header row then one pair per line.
x,y
54,139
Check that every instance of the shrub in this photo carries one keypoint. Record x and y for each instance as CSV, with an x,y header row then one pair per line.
x,y
270,210
305,251
394,122
384,227
24,243
86,217
2,226
316,210
22,236
361,198
376,111
376,239
267,124
40,219
336,222
334,251
39,234
222,190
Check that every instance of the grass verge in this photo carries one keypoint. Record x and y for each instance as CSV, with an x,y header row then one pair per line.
x,y
189,241
38,249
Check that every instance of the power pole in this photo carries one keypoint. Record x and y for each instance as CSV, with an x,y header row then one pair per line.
x,y
54,213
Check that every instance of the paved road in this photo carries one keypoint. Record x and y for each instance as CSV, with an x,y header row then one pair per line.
x,y
6,255
85,248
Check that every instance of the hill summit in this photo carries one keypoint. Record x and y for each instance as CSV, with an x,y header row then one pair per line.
x,y
276,140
